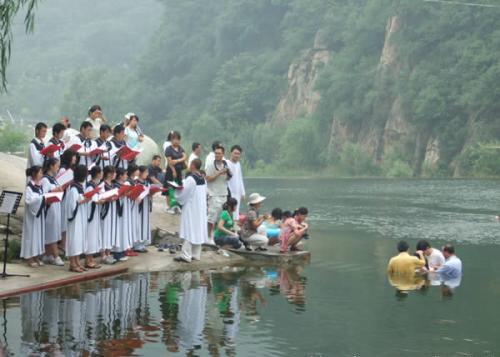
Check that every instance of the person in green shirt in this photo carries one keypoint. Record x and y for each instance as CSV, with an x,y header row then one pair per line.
x,y
224,233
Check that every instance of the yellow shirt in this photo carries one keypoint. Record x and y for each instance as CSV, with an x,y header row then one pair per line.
x,y
404,264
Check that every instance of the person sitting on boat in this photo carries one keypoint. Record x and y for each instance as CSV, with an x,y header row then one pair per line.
x,y
293,230
252,222
271,226
225,234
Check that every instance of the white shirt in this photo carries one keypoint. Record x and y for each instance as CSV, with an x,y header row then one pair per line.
x,y
209,159
192,157
435,259
217,187
452,268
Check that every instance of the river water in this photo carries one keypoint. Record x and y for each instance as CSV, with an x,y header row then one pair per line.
x,y
341,304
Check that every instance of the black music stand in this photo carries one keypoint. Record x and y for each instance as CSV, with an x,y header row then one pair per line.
x,y
9,203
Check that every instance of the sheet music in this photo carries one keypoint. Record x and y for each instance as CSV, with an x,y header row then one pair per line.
x,y
9,201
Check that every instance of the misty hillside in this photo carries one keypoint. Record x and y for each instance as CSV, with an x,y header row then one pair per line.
x,y
365,87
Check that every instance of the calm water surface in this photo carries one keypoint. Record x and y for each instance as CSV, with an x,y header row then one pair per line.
x,y
339,305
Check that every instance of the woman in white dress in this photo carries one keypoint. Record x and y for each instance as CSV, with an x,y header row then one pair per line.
x,y
33,236
76,212
52,214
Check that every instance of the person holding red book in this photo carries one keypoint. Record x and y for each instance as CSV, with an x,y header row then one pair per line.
x,y
94,236
35,158
33,234
58,131
121,239
53,230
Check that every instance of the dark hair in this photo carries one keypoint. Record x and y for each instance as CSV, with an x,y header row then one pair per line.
x,y
143,169
302,210
131,169
402,246
94,108
118,129
156,157
449,249
277,213
67,158
195,146
108,170
39,126
236,147
196,163
51,161
423,245
174,135
215,144
287,214
96,170
57,128
221,148
134,116
33,171
104,127
80,173
85,125
231,203
120,171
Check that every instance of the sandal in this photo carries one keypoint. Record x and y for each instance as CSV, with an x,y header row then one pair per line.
x,y
76,269
94,266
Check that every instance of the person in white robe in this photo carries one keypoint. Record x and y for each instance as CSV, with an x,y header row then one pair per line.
x,y
133,212
109,216
94,235
193,198
144,203
121,239
76,213
86,143
35,158
68,160
58,131
235,183
117,142
33,235
53,230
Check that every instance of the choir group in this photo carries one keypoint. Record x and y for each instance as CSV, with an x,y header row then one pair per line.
x,y
86,197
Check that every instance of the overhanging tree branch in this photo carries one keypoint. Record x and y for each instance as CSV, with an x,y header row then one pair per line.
x,y
8,11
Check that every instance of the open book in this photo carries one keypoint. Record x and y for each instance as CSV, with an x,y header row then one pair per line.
x,y
106,196
49,150
53,197
65,178
91,194
127,154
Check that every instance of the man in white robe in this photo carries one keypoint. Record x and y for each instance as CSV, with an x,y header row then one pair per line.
x,y
235,183
193,198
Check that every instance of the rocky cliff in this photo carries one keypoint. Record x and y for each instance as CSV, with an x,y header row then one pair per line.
x,y
388,130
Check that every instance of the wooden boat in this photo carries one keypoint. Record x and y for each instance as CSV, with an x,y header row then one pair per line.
x,y
273,256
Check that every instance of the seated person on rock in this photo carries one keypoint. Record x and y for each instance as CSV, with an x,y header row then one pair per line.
x,y
271,226
225,234
293,229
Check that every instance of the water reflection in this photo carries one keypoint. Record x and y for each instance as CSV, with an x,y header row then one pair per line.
x,y
183,313
405,283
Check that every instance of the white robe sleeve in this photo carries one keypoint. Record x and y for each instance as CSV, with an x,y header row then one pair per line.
x,y
242,184
34,156
72,199
183,196
33,201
